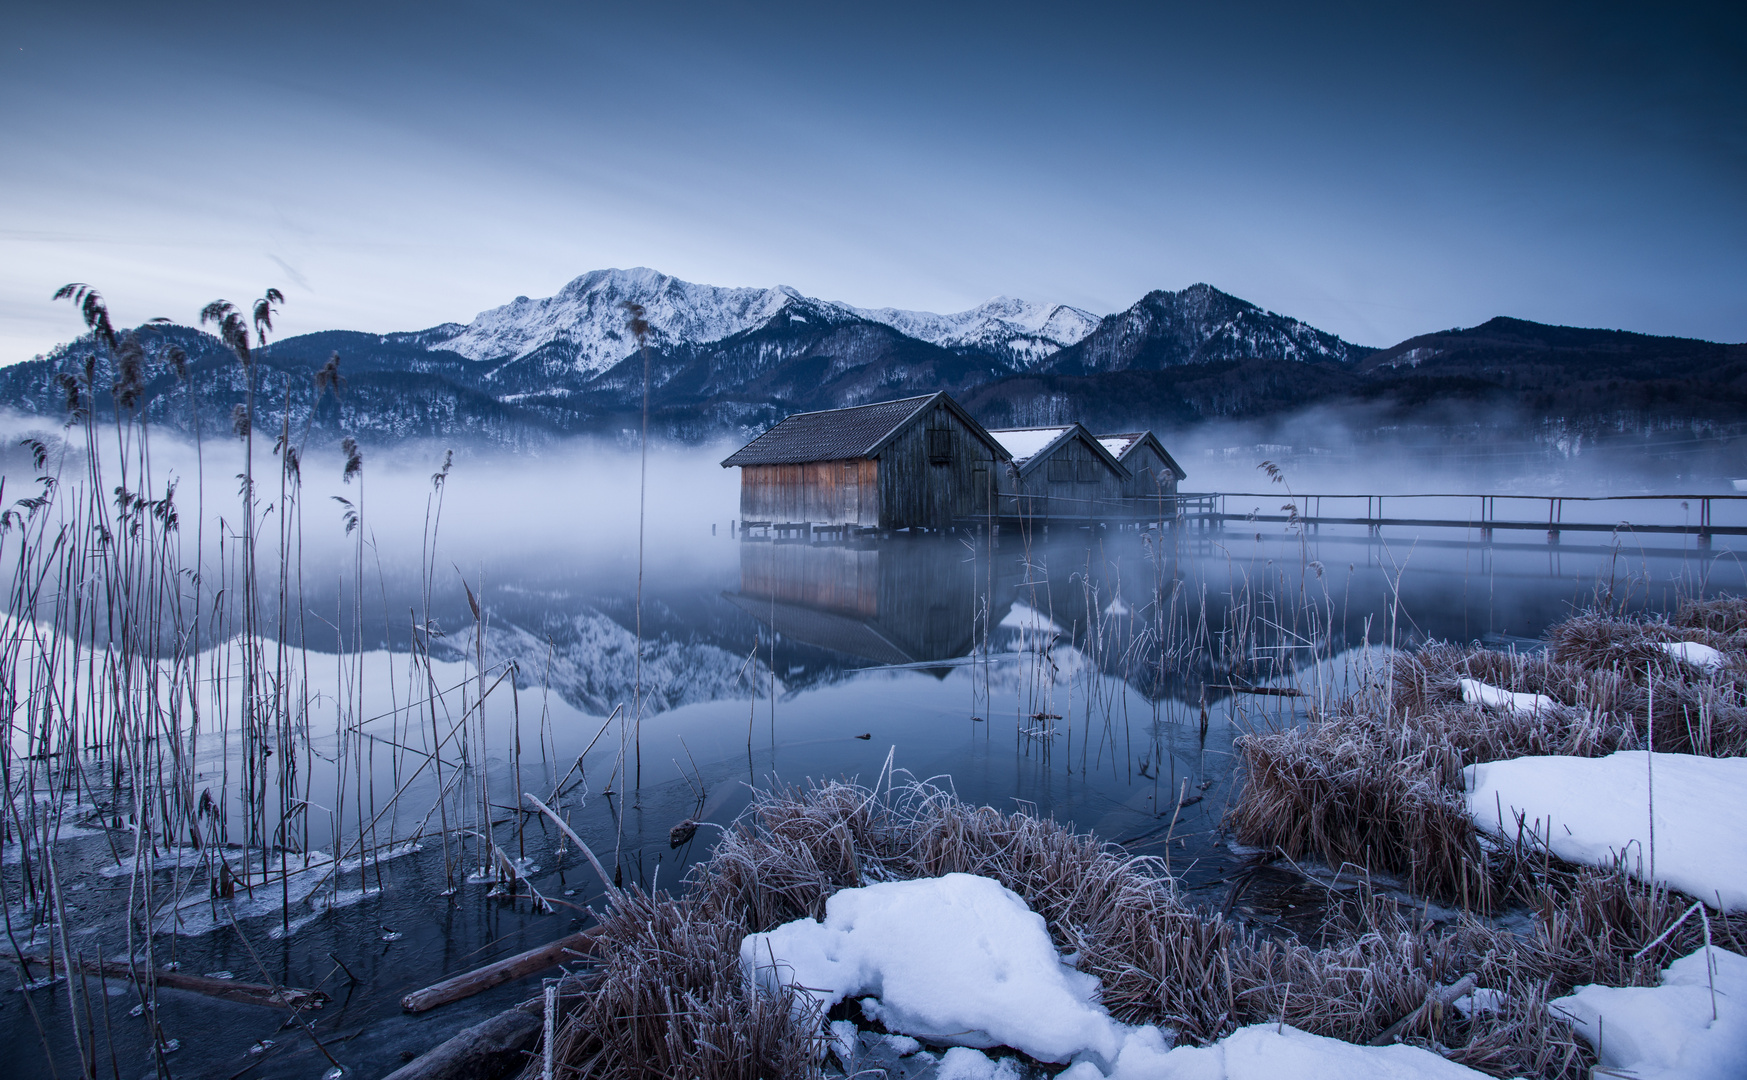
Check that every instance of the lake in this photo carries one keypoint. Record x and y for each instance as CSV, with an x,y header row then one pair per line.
x,y
1096,676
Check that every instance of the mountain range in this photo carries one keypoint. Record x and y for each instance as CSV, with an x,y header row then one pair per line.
x,y
728,361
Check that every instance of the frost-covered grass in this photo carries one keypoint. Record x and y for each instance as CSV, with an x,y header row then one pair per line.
x,y
1377,781
1520,785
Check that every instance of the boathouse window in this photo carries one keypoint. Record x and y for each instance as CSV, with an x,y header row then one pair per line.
x,y
1061,470
1086,471
940,446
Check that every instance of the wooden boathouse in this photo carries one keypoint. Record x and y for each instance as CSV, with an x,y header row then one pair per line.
x,y
1152,472
914,463
1061,472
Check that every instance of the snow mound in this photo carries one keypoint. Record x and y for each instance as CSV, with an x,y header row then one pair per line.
x,y
956,960
1703,657
1667,1032
960,1063
1475,692
1273,1052
1590,809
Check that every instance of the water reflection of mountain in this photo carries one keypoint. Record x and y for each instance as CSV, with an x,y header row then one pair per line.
x,y
1183,617
905,600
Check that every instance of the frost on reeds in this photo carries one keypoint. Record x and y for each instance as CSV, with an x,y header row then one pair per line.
x,y
669,998
1376,782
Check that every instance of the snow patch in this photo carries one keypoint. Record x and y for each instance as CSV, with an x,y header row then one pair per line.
x,y
1668,1031
1475,692
1703,657
1002,323
1273,1052
1024,443
961,1063
1588,810
955,960
1029,620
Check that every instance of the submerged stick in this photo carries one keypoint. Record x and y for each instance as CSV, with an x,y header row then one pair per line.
x,y
612,890
287,997
521,965
1261,691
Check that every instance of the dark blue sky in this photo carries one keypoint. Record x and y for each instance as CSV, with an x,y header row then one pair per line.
x,y
1374,170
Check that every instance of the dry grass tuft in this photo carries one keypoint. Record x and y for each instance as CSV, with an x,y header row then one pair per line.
x,y
668,1000
1722,615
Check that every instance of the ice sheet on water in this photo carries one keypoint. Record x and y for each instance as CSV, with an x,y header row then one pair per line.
x,y
1668,1031
308,890
1588,810
843,1036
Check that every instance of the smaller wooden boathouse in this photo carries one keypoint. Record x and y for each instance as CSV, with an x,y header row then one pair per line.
x,y
1060,472
1152,472
914,463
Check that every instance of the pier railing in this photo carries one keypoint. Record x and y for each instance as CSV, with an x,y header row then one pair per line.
x,y
1698,515
1701,516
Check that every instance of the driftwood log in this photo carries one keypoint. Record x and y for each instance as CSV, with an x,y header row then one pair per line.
x,y
283,997
495,1048
521,965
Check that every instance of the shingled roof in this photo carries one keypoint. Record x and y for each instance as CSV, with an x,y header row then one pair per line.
x,y
859,431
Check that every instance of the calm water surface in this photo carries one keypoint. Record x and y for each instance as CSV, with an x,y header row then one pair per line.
x,y
1066,673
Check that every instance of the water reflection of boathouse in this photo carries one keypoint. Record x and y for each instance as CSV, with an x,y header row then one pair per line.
x,y
899,601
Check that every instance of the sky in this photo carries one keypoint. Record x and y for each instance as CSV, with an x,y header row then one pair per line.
x,y
1377,170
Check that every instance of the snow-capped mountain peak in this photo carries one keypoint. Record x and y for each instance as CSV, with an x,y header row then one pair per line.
x,y
584,322
587,314
1024,329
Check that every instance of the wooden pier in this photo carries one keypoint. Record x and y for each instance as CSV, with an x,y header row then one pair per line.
x,y
1215,510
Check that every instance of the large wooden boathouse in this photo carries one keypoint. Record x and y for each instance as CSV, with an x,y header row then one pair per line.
x,y
915,463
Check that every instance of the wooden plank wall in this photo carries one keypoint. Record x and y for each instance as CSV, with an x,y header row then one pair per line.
x,y
1152,477
916,492
821,492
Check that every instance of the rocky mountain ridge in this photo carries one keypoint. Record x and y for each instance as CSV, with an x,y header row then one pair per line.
x,y
725,362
